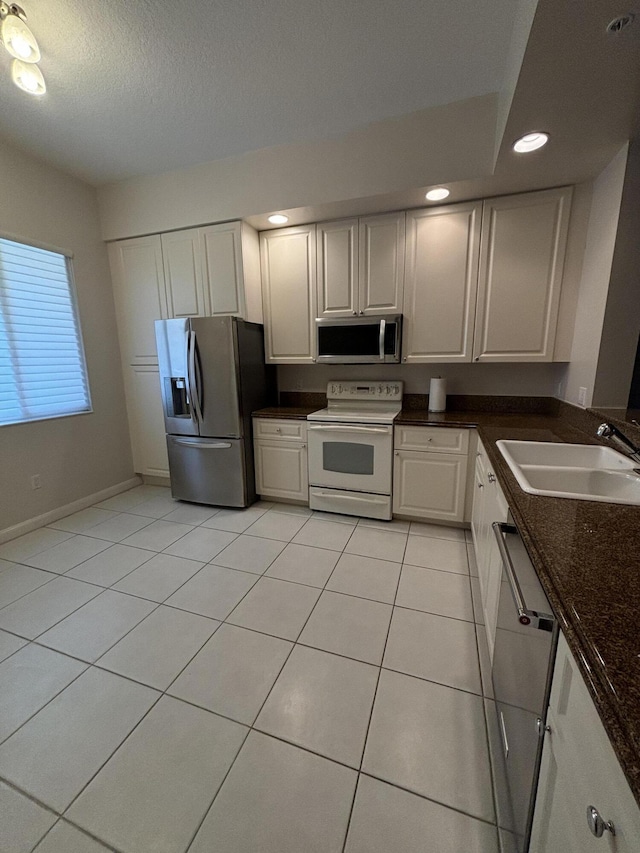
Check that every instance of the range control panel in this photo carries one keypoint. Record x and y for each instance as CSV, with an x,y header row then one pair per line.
x,y
353,390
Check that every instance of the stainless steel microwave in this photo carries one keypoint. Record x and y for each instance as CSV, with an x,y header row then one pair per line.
x,y
359,340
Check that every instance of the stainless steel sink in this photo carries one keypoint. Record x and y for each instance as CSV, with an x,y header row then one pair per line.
x,y
579,471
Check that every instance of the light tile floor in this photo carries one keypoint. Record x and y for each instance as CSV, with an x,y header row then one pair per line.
x,y
176,677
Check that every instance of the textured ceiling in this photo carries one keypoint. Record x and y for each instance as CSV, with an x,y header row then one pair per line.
x,y
148,86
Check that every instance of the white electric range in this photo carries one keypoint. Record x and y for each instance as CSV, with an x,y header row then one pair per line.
x,y
351,448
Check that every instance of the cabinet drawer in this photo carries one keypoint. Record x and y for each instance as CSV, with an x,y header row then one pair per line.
x,y
273,429
438,439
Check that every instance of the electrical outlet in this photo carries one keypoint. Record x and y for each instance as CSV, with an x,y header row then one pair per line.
x,y
582,397
36,482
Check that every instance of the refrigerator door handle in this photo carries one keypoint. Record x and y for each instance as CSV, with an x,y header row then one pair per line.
x,y
219,445
193,388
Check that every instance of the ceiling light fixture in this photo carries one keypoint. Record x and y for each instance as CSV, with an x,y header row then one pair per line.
x,y
530,142
437,194
21,43
278,219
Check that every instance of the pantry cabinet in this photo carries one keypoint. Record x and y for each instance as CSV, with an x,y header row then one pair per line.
x,y
579,769
520,275
430,472
288,261
196,272
442,250
489,505
361,266
280,451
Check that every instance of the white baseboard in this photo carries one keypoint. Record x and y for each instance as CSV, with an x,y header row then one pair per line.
x,y
61,511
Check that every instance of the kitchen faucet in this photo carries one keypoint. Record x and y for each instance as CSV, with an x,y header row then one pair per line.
x,y
614,435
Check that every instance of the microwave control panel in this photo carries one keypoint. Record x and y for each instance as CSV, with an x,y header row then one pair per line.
x,y
353,390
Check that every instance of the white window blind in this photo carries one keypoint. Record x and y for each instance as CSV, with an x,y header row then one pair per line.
x,y
42,367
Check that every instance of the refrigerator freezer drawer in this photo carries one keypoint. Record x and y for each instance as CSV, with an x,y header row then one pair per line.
x,y
208,470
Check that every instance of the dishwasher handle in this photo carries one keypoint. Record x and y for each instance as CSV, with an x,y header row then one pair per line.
x,y
525,615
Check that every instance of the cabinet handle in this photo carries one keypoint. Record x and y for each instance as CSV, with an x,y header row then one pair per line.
x,y
491,477
361,312
397,453
278,429
477,358
597,824
354,313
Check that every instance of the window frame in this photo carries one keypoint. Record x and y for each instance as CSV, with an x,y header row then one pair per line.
x,y
75,307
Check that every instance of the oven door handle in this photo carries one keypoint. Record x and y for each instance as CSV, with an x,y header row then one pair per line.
x,y
525,615
383,324
338,428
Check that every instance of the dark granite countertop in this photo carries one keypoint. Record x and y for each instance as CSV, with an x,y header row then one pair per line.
x,y
586,553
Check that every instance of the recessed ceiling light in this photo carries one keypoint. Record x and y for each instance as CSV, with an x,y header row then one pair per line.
x,y
437,194
530,142
278,219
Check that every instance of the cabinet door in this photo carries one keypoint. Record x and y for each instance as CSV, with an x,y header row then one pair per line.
x,y
477,516
139,294
281,469
381,253
429,485
221,253
521,263
441,282
288,259
183,274
146,421
337,251
580,769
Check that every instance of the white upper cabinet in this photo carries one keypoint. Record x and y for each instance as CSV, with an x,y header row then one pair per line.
x,y
183,273
288,258
337,244
361,266
521,264
381,263
441,275
230,259
139,294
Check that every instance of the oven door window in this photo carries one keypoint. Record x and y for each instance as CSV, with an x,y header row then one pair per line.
x,y
347,457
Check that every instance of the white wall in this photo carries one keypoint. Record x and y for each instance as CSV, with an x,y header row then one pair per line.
x,y
594,282
75,456
500,379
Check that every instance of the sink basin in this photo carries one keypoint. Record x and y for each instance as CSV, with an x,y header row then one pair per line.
x,y
580,471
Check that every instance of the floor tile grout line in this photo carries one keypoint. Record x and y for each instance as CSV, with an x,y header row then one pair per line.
x,y
251,728
80,829
373,702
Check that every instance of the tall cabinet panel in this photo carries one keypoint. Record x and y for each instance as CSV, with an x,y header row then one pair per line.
x,y
183,274
138,289
337,252
140,298
381,252
441,278
288,258
521,263
221,253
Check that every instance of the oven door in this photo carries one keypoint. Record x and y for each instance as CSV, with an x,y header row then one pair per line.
x,y
351,456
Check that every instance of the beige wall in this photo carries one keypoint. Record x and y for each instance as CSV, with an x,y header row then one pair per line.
x,y
594,282
75,456
427,146
621,325
503,379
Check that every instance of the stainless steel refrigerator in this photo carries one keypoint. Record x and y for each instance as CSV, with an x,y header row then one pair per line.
x,y
212,376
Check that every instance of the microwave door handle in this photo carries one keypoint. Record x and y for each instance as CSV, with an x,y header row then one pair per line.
x,y
383,324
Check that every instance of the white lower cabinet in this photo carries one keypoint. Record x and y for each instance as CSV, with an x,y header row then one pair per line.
x,y
489,505
430,472
280,450
580,770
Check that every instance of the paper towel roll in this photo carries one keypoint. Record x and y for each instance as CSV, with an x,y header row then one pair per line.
x,y
438,394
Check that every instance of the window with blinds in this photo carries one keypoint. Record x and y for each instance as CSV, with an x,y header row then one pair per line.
x,y
42,367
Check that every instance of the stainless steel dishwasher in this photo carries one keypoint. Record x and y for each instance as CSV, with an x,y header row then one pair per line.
x,y
524,652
